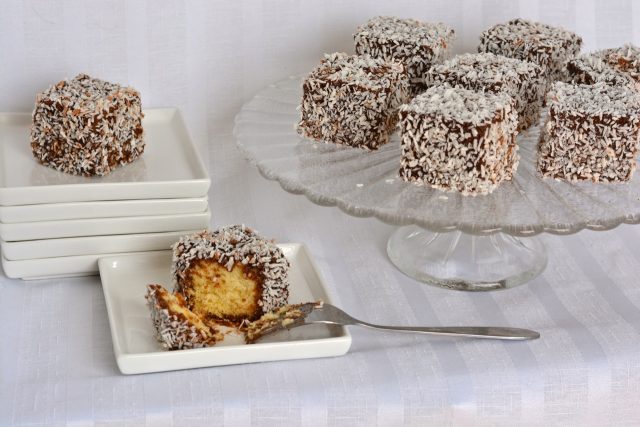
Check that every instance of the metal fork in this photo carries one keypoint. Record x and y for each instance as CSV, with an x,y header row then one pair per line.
x,y
329,314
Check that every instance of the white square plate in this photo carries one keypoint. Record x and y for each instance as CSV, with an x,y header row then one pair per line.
x,y
169,168
90,245
101,209
55,267
124,280
103,226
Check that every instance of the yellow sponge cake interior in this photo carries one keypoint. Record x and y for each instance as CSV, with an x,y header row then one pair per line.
x,y
222,294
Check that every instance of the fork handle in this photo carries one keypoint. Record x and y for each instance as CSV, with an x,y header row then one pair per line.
x,y
488,332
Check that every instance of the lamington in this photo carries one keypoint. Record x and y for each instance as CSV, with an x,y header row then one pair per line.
x,y
625,59
352,100
285,317
231,274
176,327
524,81
86,126
418,45
589,69
549,47
456,139
591,134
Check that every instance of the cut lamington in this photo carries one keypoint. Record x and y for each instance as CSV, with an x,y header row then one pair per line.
x,y
352,100
87,126
550,47
591,134
418,45
455,139
625,59
231,274
177,327
589,69
524,81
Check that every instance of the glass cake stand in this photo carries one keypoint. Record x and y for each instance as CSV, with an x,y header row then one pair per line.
x,y
445,239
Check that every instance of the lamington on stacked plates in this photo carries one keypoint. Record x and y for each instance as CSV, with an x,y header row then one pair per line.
x,y
88,174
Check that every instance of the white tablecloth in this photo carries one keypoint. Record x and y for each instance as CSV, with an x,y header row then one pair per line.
x,y
57,364
208,57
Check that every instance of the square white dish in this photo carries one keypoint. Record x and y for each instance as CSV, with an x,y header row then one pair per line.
x,y
124,280
103,226
101,209
90,245
169,168
55,267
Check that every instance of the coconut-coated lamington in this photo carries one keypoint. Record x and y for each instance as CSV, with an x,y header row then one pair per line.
x,y
524,81
86,126
545,45
589,69
625,59
455,139
231,274
418,45
352,100
591,134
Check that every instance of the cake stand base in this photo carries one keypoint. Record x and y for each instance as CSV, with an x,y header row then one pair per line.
x,y
465,262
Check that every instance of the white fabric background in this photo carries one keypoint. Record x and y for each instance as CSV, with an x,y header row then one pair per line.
x,y
56,361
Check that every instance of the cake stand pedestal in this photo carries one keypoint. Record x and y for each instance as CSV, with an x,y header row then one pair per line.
x,y
461,261
445,239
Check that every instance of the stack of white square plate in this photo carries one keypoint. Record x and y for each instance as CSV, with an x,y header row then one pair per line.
x,y
56,224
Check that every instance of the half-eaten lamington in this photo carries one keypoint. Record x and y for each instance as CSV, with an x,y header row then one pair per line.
x,y
231,274
524,81
591,134
352,100
456,139
418,45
